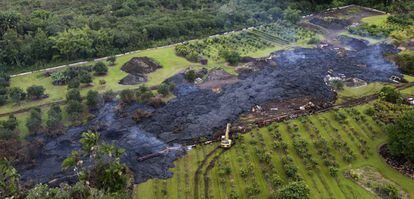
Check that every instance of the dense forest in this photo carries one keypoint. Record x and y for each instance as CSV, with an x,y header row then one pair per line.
x,y
39,33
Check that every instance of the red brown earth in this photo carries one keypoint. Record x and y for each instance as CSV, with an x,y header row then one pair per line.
x,y
400,164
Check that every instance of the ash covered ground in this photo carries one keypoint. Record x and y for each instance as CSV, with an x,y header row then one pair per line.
x,y
199,112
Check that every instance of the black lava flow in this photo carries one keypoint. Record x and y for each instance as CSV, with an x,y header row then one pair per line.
x,y
196,112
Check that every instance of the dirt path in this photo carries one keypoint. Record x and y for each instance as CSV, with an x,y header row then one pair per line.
x,y
208,169
198,171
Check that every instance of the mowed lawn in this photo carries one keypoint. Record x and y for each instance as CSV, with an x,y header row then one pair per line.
x,y
171,63
225,178
349,93
378,20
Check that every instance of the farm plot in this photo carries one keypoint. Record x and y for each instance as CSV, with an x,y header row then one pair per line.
x,y
318,150
270,36
282,33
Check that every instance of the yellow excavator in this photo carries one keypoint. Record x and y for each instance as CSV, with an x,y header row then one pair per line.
x,y
225,139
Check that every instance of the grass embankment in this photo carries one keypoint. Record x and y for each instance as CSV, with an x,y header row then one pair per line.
x,y
226,177
378,20
350,93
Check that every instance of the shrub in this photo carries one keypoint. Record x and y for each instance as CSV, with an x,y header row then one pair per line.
x,y
244,173
74,83
17,95
9,180
92,99
45,192
127,96
164,89
108,96
368,30
6,134
59,78
276,181
190,75
369,111
185,51
252,189
111,60
314,40
100,68
73,95
139,115
11,123
54,117
4,80
156,102
388,191
291,15
74,109
85,78
34,122
144,94
35,92
338,85
333,171
3,100
294,190
390,94
401,136
232,57
105,172
406,61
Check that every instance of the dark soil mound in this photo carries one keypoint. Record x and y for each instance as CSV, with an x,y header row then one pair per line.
x,y
399,163
218,74
353,43
137,67
140,65
133,79
331,23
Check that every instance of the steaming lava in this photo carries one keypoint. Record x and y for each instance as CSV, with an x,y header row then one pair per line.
x,y
199,112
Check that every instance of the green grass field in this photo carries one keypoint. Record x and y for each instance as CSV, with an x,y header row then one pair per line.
x,y
378,20
171,63
228,175
349,93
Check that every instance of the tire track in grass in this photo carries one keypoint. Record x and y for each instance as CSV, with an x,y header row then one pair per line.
x,y
179,180
208,169
198,171
187,179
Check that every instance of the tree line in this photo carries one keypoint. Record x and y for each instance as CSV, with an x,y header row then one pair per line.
x,y
34,34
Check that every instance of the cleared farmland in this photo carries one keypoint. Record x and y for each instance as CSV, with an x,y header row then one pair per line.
x,y
317,149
